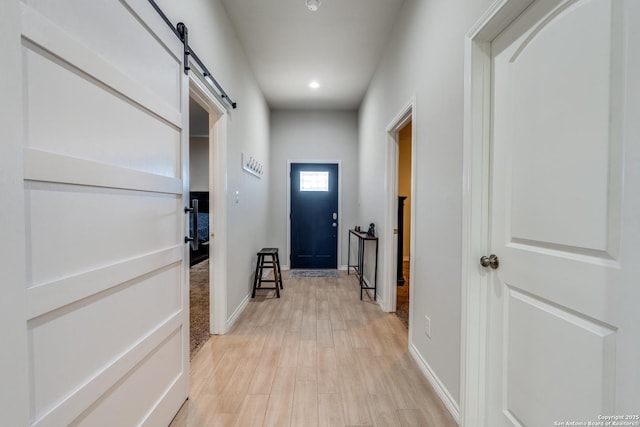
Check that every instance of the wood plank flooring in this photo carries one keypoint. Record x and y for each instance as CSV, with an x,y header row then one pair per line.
x,y
318,356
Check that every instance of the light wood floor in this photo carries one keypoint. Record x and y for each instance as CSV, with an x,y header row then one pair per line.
x,y
318,356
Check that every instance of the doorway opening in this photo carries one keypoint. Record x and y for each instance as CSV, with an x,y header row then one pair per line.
x,y
400,181
403,268
209,129
199,277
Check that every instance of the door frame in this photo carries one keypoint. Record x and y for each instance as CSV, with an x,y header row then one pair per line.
x,y
218,117
475,204
287,264
390,251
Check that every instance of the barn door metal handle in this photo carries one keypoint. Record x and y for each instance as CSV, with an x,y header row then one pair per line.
x,y
490,261
195,244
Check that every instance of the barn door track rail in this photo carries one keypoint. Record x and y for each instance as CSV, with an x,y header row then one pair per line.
x,y
182,33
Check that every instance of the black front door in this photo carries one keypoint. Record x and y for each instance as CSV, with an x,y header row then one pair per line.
x,y
314,215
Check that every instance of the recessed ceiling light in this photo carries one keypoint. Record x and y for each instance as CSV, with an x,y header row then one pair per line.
x,y
314,85
312,5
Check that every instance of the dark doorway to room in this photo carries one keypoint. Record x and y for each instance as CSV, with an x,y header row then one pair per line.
x,y
404,223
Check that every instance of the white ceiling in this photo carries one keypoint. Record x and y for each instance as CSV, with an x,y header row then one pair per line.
x,y
288,46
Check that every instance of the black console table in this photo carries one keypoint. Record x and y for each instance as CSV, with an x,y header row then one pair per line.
x,y
359,267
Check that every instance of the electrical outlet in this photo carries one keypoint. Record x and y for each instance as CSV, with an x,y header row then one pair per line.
x,y
427,326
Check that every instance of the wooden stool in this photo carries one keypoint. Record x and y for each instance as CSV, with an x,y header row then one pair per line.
x,y
263,262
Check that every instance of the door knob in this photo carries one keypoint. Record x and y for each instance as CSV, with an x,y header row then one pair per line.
x,y
334,224
490,261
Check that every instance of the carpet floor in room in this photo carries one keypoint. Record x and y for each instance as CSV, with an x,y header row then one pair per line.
x,y
317,356
199,306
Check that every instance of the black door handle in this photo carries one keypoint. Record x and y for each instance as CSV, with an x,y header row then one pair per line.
x,y
195,243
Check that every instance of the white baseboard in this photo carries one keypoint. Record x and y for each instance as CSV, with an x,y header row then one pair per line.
x,y
438,386
238,311
343,267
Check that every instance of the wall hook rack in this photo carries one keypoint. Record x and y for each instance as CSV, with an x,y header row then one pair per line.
x,y
253,166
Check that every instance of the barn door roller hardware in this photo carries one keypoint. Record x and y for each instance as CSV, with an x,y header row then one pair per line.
x,y
184,37
182,33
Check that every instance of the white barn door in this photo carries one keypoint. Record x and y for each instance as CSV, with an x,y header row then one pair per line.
x,y
563,303
104,107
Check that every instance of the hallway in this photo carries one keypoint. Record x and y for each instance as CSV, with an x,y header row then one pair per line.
x,y
317,356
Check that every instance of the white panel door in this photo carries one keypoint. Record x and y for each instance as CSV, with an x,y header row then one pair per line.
x,y
104,99
563,334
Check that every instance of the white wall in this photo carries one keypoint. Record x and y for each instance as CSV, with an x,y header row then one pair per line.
x,y
313,135
425,59
198,164
213,38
